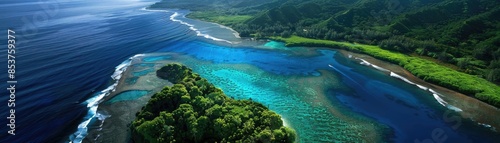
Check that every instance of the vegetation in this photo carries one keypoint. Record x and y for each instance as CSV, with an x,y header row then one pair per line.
x,y
427,70
465,33
194,110
219,18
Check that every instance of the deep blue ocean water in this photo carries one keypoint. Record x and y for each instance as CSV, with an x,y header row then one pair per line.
x,y
65,59
68,49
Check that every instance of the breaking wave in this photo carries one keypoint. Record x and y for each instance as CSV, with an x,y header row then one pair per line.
x,y
192,27
93,103
366,63
435,94
198,32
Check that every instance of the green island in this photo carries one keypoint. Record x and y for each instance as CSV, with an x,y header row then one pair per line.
x,y
194,110
451,43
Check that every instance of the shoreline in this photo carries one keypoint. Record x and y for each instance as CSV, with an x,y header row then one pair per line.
x,y
471,108
453,96
429,71
120,114
181,16
394,68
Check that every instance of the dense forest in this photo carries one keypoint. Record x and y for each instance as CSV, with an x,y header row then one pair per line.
x,y
462,33
194,110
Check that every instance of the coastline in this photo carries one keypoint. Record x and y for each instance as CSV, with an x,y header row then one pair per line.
x,y
425,69
121,113
406,73
471,108
397,69
429,71
452,96
472,104
111,120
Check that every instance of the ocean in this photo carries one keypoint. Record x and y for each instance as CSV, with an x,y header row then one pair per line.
x,y
73,55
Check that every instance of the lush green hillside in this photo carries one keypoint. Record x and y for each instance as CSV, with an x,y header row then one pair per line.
x,y
462,33
465,33
194,110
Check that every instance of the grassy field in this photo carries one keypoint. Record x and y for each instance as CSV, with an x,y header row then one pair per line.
x,y
424,69
218,18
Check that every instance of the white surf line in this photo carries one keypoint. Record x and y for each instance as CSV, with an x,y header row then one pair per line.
x,y
422,87
235,33
401,78
487,126
484,125
366,63
435,94
191,26
198,32
93,103
439,99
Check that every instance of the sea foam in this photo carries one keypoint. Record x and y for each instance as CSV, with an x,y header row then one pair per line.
x,y
198,32
435,94
192,27
366,63
93,103
401,78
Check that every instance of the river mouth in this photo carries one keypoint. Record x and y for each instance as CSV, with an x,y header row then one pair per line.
x,y
325,95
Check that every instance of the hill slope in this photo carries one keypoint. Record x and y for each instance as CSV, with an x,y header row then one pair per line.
x,y
463,35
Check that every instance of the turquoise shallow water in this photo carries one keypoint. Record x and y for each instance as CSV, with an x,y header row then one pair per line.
x,y
295,99
276,45
347,103
351,103
127,95
299,97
